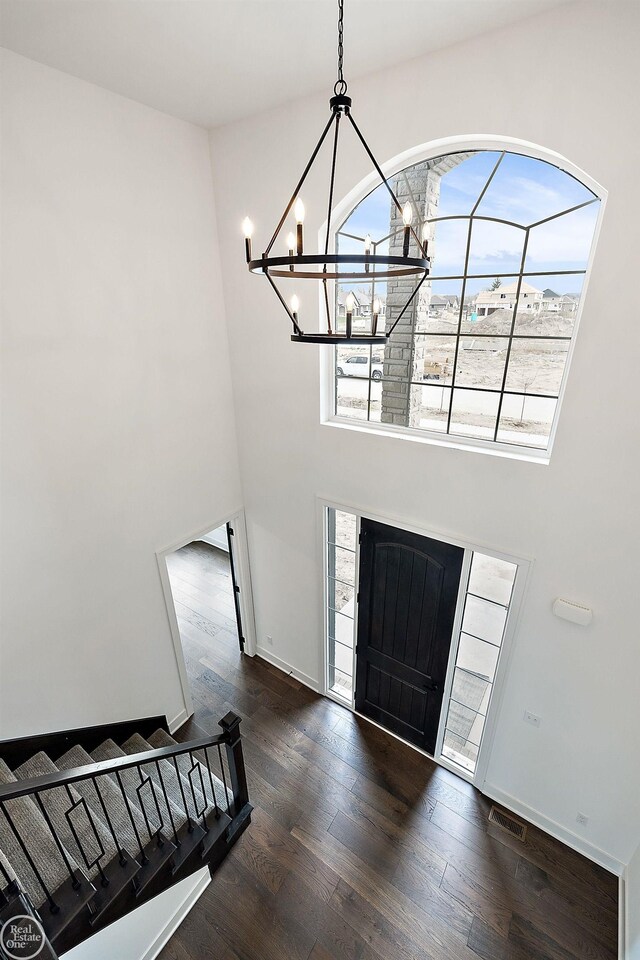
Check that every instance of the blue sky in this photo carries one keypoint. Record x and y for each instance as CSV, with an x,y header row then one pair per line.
x,y
523,190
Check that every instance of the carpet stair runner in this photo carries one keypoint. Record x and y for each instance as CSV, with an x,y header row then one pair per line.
x,y
97,830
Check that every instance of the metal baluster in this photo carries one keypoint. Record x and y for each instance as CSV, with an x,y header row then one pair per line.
x,y
213,789
75,883
184,799
144,857
104,879
53,906
166,800
194,766
119,848
224,779
157,834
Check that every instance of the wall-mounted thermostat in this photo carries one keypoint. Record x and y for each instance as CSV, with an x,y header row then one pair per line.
x,y
575,612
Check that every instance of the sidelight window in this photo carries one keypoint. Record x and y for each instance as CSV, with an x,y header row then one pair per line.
x,y
341,569
487,601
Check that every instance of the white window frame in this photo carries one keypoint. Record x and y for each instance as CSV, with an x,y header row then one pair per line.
x,y
523,573
429,151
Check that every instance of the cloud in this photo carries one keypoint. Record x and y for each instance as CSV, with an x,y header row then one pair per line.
x,y
523,190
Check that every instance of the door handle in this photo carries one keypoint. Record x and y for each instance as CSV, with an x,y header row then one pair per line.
x,y
432,685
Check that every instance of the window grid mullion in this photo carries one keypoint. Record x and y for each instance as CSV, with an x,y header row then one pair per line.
x,y
464,284
461,311
369,383
513,326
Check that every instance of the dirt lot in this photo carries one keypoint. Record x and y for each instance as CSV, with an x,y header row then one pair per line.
x,y
535,367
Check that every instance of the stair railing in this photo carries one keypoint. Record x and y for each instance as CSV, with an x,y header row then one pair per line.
x,y
222,758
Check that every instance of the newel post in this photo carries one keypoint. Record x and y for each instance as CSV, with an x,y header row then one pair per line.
x,y
231,728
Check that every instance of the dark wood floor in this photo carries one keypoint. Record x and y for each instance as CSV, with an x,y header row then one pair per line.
x,y
360,848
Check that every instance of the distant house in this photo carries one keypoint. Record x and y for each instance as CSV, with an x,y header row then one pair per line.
x,y
569,304
342,296
504,298
365,301
362,307
551,301
445,304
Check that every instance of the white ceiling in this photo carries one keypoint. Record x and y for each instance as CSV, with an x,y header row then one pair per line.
x,y
210,61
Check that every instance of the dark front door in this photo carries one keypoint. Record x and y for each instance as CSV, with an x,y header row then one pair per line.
x,y
408,593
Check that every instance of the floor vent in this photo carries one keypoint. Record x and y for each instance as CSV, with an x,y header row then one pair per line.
x,y
506,821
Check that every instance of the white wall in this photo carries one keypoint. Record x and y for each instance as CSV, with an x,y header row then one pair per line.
x,y
118,429
577,518
632,908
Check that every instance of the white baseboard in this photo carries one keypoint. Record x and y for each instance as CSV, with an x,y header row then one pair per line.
x,y
178,720
555,829
288,669
176,919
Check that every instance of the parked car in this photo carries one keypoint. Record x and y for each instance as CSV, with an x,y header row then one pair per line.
x,y
358,366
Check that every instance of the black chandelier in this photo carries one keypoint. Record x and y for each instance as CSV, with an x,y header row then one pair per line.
x,y
325,266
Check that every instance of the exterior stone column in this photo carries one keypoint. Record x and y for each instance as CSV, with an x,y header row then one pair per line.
x,y
420,185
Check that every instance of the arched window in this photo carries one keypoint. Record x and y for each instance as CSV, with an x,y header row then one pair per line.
x,y
482,353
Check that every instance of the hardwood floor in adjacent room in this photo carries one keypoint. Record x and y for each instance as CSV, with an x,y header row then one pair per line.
x,y
360,848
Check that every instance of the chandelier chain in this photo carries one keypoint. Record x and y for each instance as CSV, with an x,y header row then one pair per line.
x,y
370,265
340,87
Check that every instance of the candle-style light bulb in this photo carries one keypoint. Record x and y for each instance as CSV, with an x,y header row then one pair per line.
x,y
425,238
291,247
367,251
349,303
247,229
407,216
298,212
295,306
376,314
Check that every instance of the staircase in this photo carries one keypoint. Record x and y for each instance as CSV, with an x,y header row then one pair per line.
x,y
97,821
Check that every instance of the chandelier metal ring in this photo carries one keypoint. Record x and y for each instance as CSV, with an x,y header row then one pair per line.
x,y
287,267
364,339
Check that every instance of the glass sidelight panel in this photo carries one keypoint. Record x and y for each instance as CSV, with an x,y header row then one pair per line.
x,y
486,607
492,578
341,563
484,619
460,751
342,536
